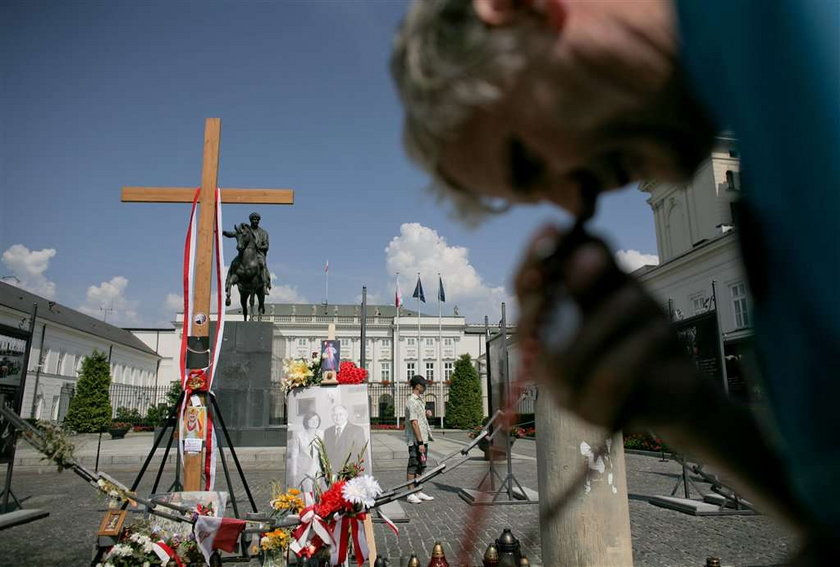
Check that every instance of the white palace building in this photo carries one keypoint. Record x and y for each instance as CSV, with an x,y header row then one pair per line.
x,y
395,347
697,245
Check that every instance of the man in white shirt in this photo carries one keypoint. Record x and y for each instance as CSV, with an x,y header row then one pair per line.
x,y
417,435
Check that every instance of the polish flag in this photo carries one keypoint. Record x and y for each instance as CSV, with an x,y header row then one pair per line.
x,y
217,533
398,296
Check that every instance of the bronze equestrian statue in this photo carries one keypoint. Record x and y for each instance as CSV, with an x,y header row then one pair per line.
x,y
248,271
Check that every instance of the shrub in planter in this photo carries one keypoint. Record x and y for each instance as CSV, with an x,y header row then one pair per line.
x,y
644,442
118,429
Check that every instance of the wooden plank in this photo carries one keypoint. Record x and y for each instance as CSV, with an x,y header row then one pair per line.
x,y
132,194
259,196
206,222
371,540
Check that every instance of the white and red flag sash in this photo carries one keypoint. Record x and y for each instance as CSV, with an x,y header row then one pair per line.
x,y
347,526
201,379
217,533
309,522
165,553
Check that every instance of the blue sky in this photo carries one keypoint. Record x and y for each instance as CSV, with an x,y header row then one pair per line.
x,y
96,95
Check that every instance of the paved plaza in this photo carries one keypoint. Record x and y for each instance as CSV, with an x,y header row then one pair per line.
x,y
661,537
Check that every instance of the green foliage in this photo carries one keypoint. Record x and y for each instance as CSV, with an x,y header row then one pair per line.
x,y
90,408
157,414
464,409
644,442
127,415
173,393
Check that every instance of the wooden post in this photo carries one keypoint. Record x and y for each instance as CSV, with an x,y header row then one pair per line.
x,y
594,528
198,354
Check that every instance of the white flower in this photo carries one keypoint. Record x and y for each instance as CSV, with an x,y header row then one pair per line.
x,y
362,490
120,550
146,564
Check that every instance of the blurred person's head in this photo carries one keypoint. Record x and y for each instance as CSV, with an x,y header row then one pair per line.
x,y
506,102
339,415
311,420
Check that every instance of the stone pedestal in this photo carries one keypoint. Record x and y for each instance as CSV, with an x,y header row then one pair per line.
x,y
242,385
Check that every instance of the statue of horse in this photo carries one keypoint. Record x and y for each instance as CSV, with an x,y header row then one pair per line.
x,y
246,273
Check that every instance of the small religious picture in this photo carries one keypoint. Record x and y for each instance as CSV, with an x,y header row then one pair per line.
x,y
112,523
195,421
330,357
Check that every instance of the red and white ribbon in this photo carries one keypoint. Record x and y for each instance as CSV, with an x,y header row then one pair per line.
x,y
389,523
165,553
310,522
347,526
208,373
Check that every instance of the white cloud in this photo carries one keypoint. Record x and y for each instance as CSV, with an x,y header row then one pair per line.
x,y
108,301
422,249
28,266
173,304
632,260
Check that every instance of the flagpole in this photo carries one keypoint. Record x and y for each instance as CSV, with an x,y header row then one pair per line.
x,y
327,282
418,329
440,328
396,374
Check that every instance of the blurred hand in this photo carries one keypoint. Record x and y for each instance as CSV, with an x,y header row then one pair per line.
x,y
428,413
617,361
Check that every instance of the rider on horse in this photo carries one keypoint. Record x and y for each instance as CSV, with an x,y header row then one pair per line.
x,y
260,239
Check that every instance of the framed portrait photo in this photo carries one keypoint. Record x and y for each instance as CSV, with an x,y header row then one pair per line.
x,y
112,523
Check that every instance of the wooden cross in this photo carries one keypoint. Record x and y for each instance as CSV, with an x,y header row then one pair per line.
x,y
199,329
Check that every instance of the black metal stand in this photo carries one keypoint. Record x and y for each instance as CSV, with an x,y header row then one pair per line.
x,y
509,485
724,501
219,427
7,490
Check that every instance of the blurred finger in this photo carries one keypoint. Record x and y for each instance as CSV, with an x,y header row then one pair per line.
x,y
606,326
610,392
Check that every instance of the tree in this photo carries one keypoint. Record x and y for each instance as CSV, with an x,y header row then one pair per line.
x,y
90,408
464,409
158,414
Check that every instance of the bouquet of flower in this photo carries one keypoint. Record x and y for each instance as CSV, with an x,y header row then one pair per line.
x,y
331,517
349,373
273,544
300,372
142,544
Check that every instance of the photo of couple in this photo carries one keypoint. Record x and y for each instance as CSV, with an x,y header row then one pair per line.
x,y
338,417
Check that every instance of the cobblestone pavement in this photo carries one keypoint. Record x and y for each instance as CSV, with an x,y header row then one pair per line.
x,y
661,538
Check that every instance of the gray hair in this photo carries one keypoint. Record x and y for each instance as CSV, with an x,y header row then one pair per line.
x,y
446,63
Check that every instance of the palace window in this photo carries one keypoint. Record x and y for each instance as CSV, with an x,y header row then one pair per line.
x,y
739,305
385,371
448,369
430,371
410,369
733,180
386,343
411,341
430,342
699,304
447,342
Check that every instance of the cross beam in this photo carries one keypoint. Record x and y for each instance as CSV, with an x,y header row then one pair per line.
x,y
199,327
